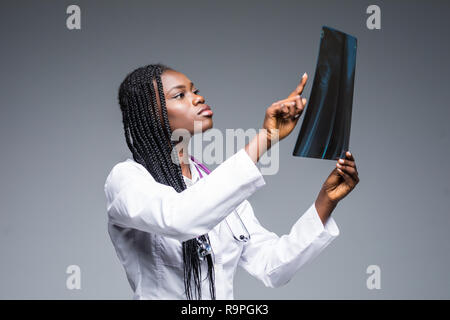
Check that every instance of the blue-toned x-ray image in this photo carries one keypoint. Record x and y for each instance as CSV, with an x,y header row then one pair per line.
x,y
325,131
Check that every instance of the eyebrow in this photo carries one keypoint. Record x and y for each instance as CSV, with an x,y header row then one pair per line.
x,y
181,86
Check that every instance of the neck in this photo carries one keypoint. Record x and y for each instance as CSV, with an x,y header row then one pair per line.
x,y
183,157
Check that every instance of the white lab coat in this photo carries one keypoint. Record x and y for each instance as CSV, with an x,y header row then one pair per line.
x,y
147,222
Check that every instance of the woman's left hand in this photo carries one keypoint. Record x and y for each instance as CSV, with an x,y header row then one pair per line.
x,y
342,180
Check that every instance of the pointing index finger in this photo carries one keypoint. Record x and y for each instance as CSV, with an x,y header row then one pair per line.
x,y
301,86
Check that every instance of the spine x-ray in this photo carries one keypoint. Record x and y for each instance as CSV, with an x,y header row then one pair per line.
x,y
325,131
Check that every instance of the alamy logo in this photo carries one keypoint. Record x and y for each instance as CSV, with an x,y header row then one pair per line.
x,y
74,20
374,20
234,140
374,280
74,279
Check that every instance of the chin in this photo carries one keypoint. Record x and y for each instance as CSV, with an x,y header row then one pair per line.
x,y
208,124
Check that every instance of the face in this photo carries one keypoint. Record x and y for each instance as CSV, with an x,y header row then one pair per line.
x,y
183,103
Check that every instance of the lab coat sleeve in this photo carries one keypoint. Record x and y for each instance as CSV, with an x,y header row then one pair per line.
x,y
273,259
136,200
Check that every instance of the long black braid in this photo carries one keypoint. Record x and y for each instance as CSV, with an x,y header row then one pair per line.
x,y
149,142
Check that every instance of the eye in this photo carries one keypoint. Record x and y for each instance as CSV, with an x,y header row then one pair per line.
x,y
181,95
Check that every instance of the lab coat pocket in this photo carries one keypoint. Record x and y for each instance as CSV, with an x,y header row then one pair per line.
x,y
170,251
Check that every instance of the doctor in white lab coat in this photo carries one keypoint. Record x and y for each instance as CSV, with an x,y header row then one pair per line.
x,y
179,230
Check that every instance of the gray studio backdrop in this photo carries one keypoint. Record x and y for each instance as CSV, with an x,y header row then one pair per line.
x,y
61,133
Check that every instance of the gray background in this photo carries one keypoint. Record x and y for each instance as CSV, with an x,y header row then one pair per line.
x,y
61,133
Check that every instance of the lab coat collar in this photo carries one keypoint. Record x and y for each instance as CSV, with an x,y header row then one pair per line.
x,y
194,173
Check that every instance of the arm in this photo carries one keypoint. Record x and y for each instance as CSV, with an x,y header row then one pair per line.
x,y
136,200
324,206
274,260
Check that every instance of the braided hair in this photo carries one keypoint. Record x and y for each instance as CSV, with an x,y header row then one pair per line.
x,y
150,144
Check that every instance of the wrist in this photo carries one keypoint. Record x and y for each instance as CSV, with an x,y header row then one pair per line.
x,y
272,136
265,139
324,205
324,198
257,146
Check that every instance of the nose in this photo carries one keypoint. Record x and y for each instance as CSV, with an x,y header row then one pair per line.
x,y
198,99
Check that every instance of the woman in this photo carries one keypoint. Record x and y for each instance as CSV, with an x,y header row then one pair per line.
x,y
171,221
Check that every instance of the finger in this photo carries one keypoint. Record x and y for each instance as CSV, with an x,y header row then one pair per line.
x,y
302,84
288,108
299,89
284,110
300,106
299,101
280,109
349,156
293,109
350,171
346,177
347,163
289,99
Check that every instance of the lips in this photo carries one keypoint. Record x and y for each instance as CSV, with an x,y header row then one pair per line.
x,y
206,107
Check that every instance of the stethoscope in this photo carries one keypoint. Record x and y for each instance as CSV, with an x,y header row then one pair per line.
x,y
204,248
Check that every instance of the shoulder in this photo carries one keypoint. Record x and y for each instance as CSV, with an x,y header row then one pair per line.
x,y
124,169
127,166
124,172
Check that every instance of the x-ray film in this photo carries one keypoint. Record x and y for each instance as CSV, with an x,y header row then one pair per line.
x,y
325,131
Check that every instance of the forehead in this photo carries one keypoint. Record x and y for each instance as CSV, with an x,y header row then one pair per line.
x,y
172,78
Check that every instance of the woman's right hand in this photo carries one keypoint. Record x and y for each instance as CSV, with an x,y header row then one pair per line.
x,y
282,116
